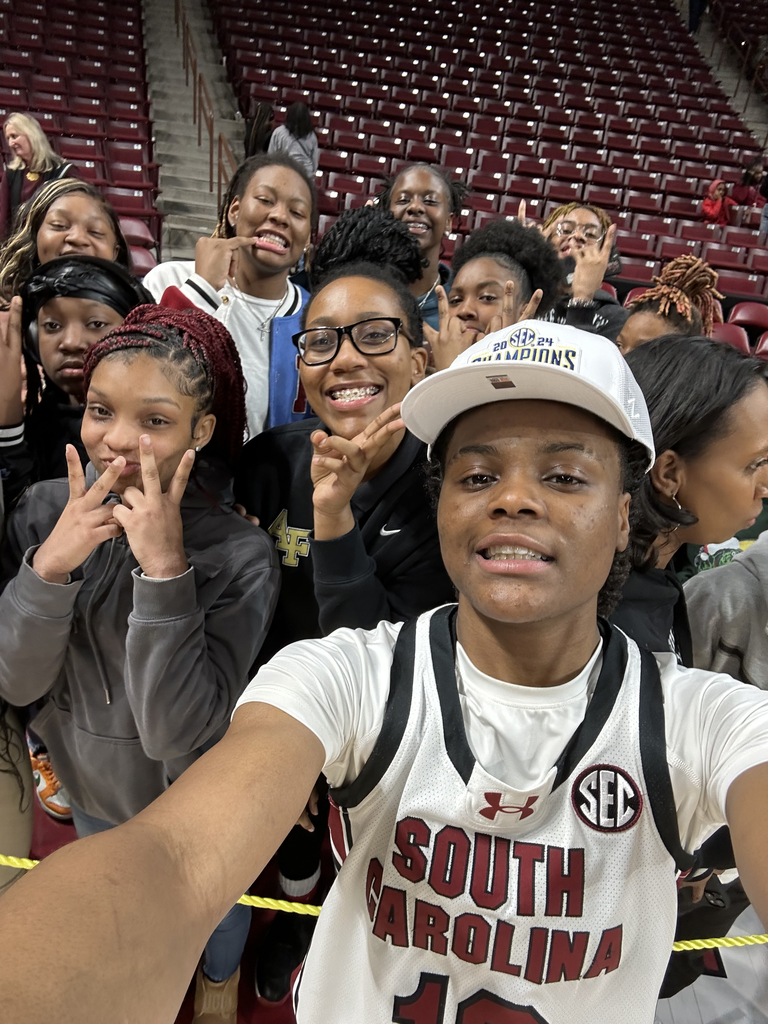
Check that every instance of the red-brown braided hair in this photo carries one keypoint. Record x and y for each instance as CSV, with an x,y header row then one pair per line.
x,y
203,356
685,284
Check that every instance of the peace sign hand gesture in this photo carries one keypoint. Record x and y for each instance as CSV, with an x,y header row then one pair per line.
x,y
508,316
451,339
83,525
339,467
152,518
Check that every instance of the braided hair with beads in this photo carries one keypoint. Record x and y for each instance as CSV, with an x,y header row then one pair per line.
x,y
685,294
202,359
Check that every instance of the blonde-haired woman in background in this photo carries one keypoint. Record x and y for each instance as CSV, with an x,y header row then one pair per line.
x,y
32,164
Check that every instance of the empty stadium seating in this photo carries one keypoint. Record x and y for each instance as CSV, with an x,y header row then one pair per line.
x,y
550,102
79,69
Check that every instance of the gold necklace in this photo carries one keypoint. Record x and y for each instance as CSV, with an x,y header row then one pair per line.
x,y
32,175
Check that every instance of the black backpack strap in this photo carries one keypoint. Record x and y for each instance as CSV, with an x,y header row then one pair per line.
x,y
392,728
609,682
653,753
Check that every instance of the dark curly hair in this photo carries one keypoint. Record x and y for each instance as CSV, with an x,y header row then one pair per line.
x,y
242,177
202,355
531,258
690,387
383,275
456,190
634,464
368,234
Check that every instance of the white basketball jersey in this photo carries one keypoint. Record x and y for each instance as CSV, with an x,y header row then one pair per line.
x,y
463,901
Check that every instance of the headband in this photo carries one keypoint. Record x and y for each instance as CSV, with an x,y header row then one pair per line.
x,y
80,277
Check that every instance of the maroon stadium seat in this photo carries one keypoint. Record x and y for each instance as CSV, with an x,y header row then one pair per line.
x,y
718,255
733,335
749,286
761,349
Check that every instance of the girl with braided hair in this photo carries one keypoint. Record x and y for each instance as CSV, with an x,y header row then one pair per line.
x,y
241,276
137,598
683,301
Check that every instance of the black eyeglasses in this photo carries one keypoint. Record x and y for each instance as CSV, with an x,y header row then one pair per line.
x,y
374,337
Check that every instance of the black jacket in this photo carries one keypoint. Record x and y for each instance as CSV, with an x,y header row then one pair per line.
x,y
605,315
652,611
388,567
39,451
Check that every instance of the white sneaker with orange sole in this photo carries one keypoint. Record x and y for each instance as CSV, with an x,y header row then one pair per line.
x,y
50,792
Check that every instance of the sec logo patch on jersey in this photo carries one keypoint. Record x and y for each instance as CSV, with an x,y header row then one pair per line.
x,y
607,798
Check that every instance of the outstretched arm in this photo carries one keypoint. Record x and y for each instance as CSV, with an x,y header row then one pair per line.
x,y
747,811
141,901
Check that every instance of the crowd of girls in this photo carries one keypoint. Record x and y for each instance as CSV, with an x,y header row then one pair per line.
x,y
203,467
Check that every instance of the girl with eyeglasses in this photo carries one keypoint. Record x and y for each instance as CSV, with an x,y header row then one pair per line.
x,y
343,496
583,236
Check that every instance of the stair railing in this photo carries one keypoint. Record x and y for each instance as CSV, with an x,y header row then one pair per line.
x,y
205,110
202,107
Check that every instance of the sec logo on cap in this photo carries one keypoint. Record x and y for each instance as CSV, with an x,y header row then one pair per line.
x,y
606,798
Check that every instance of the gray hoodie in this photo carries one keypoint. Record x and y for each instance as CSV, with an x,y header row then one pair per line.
x,y
728,615
134,678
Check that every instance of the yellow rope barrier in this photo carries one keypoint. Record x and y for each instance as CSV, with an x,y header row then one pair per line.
x,y
264,903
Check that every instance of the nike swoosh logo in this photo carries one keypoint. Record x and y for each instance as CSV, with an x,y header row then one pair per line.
x,y
387,533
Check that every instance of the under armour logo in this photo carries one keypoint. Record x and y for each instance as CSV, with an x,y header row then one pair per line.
x,y
495,805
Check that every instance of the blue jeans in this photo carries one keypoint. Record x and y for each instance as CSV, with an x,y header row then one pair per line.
x,y
225,947
764,220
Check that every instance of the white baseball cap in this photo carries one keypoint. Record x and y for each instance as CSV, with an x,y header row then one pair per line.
x,y
533,359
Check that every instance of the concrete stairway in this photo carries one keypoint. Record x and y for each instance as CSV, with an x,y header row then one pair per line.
x,y
189,207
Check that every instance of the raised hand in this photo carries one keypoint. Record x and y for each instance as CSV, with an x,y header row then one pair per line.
x,y
451,339
339,467
509,314
216,258
591,264
83,525
152,518
11,407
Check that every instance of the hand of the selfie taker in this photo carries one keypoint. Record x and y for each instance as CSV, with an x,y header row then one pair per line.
x,y
339,465
591,265
83,525
452,338
305,821
216,258
240,509
11,408
152,518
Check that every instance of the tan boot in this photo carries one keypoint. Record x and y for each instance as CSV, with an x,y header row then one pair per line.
x,y
216,1001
